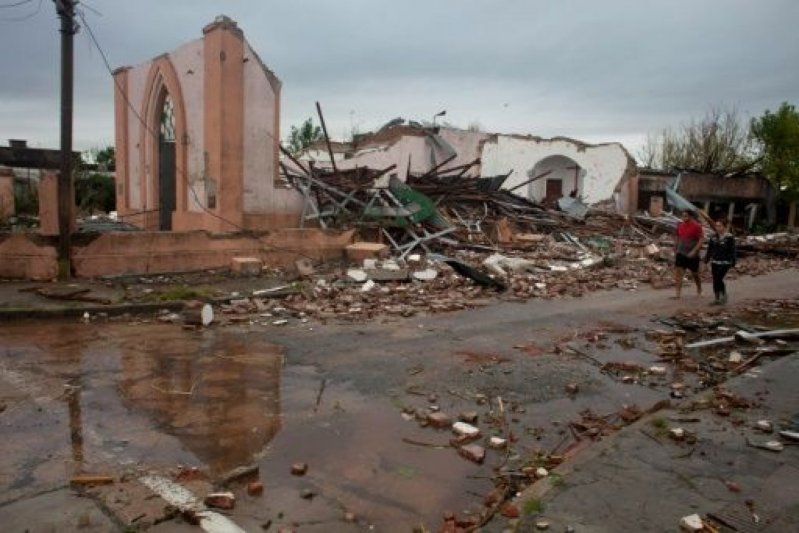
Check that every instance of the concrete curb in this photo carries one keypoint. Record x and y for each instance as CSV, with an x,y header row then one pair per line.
x,y
26,313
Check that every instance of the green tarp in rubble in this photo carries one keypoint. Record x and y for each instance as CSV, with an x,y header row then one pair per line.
x,y
416,208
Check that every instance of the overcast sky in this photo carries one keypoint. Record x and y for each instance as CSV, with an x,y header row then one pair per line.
x,y
598,70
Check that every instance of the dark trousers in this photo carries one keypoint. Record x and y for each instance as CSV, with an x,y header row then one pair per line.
x,y
719,271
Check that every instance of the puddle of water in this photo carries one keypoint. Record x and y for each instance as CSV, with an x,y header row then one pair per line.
x,y
113,396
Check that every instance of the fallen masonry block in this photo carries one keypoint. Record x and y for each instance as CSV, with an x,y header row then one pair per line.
x,y
692,523
356,274
439,419
497,443
425,275
221,500
246,266
255,488
468,430
472,452
358,251
299,469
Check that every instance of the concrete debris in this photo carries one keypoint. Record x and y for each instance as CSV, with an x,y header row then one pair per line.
x,y
356,274
220,500
299,469
359,251
765,426
439,420
464,429
427,274
368,286
472,452
790,435
255,488
246,266
692,523
497,443
677,433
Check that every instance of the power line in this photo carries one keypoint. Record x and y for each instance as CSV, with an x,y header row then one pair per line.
x,y
155,135
15,4
23,17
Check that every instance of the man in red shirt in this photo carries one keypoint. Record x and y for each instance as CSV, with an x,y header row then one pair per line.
x,y
687,243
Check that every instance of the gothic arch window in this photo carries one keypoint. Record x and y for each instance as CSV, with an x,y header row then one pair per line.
x,y
168,120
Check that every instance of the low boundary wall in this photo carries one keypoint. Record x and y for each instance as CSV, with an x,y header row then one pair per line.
x,y
32,256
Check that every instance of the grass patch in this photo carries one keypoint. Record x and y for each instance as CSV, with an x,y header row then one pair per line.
x,y
532,507
661,427
659,423
556,480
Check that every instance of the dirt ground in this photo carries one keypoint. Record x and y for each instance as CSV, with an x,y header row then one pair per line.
x,y
130,400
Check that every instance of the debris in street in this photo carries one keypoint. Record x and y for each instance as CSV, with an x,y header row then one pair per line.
x,y
299,469
497,443
472,452
239,473
84,480
470,417
692,523
439,420
220,500
464,429
198,314
255,488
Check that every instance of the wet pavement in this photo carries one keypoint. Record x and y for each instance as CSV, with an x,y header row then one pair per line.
x,y
119,399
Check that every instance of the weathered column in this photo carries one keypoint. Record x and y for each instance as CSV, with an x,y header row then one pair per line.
x,y
224,118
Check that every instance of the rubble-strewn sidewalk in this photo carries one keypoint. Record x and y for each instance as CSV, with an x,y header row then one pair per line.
x,y
643,479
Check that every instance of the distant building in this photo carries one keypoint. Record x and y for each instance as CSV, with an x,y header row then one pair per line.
x,y
562,166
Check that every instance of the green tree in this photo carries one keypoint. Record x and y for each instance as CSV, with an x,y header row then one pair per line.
x,y
105,158
778,137
302,137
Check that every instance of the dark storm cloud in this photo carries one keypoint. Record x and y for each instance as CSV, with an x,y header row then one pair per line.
x,y
612,70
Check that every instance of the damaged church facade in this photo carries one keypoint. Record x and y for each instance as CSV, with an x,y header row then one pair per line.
x,y
197,138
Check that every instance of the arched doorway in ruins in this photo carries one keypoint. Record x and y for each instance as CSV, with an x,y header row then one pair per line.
x,y
560,176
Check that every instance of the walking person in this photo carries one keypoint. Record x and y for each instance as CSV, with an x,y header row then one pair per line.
x,y
687,242
721,256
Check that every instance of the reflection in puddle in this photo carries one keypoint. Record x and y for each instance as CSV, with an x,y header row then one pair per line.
x,y
124,387
218,395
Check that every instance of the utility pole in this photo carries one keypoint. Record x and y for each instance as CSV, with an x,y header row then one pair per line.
x,y
66,12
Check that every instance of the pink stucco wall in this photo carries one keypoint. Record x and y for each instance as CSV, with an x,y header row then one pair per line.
x,y
261,155
227,106
189,65
28,256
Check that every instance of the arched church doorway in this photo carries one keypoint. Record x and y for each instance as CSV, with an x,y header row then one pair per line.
x,y
167,190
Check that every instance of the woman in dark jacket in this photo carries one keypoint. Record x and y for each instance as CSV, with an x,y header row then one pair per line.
x,y
721,256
